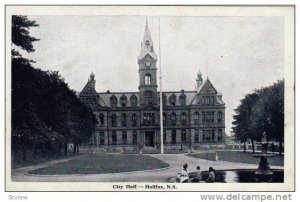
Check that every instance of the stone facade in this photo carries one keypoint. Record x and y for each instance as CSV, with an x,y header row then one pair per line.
x,y
131,119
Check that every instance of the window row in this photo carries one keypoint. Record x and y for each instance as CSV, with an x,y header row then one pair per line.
x,y
208,117
208,135
123,101
149,118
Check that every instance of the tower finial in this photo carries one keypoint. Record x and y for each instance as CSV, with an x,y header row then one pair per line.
x,y
199,79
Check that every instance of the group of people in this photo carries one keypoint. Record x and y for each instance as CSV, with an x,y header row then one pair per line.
x,y
185,176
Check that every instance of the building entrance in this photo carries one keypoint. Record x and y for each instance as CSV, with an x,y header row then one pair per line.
x,y
149,138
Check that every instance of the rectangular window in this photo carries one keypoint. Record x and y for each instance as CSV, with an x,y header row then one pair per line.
x,y
183,118
196,135
134,137
220,114
196,118
124,137
114,137
213,135
212,117
173,119
220,135
149,119
134,122
183,136
102,138
203,117
124,120
165,136
173,136
164,119
207,135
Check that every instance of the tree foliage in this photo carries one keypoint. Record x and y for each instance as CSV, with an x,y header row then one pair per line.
x,y
46,114
261,111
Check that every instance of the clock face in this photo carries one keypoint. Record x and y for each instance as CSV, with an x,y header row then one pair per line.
x,y
148,64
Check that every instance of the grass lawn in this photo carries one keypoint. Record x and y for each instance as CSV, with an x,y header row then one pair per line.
x,y
103,163
241,157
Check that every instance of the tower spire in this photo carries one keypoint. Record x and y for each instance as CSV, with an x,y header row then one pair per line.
x,y
147,43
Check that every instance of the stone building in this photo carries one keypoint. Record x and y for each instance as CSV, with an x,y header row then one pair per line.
x,y
131,119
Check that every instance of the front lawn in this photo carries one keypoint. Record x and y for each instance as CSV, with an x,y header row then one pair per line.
x,y
103,163
241,157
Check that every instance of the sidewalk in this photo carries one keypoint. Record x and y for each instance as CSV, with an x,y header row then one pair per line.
x,y
175,160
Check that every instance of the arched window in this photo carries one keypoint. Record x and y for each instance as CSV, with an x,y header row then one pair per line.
x,y
147,79
101,119
113,120
133,101
148,97
123,100
113,101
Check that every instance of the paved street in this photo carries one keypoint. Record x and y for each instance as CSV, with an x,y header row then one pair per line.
x,y
175,160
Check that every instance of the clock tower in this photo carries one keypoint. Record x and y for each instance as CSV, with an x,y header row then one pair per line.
x,y
147,70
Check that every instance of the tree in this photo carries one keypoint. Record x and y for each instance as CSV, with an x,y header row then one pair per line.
x,y
45,112
243,127
20,33
261,111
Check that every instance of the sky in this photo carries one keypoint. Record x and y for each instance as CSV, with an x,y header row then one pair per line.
x,y
237,54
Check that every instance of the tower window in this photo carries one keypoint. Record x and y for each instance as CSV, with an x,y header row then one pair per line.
x,y
148,97
148,79
147,43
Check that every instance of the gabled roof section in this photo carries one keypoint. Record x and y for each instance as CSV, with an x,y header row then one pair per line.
x,y
208,88
89,89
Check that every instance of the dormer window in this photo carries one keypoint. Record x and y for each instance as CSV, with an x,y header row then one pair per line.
x,y
123,100
133,101
172,100
113,101
182,99
148,79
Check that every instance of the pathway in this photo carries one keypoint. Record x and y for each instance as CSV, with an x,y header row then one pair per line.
x,y
176,160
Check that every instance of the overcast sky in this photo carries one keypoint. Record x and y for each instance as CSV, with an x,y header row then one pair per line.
x,y
238,54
